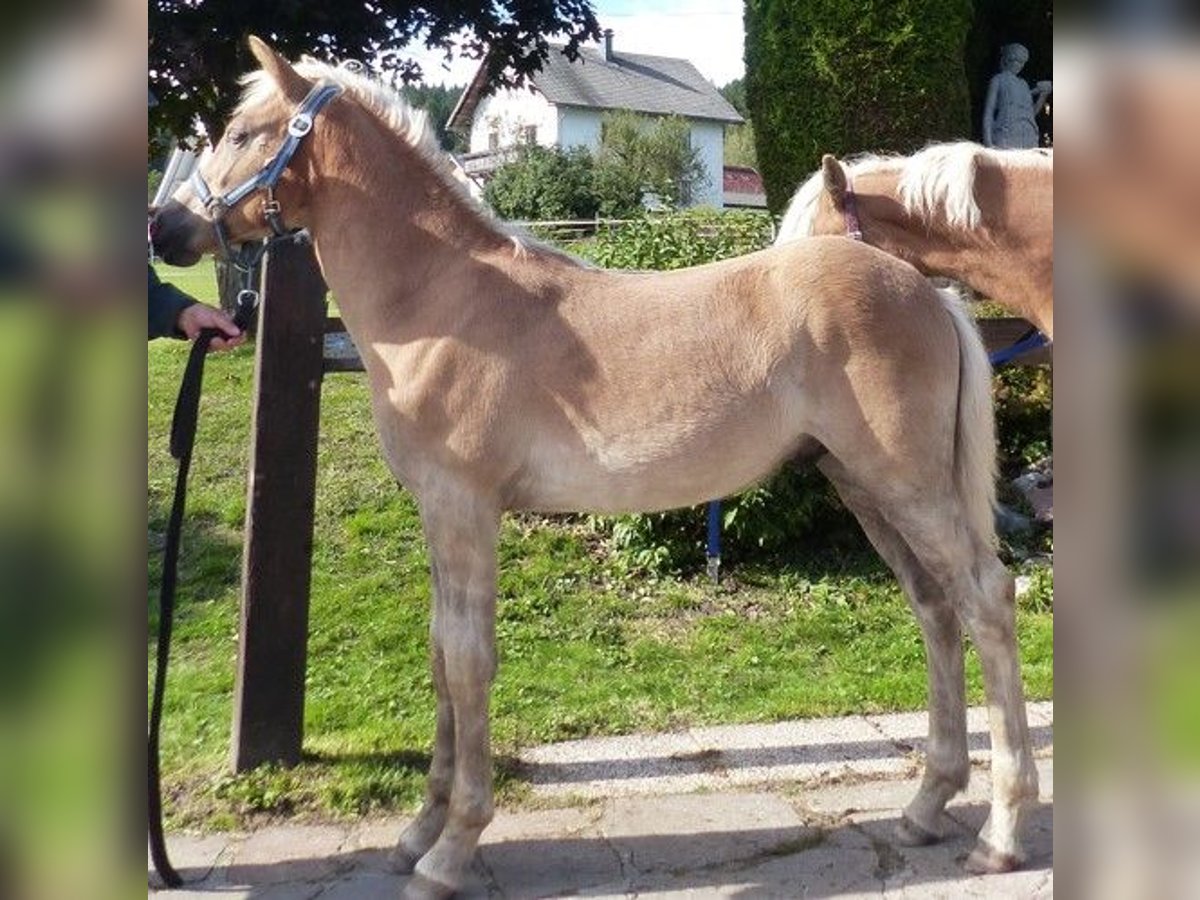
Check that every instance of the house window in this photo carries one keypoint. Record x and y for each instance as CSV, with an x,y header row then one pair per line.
x,y
494,139
529,134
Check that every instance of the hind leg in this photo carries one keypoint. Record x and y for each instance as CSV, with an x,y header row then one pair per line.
x,y
947,765
981,588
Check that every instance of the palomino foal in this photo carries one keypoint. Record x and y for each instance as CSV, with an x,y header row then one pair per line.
x,y
506,375
980,216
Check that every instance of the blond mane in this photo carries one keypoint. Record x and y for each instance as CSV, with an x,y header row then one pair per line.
x,y
938,181
410,125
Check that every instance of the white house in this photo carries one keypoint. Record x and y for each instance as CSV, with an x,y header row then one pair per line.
x,y
569,99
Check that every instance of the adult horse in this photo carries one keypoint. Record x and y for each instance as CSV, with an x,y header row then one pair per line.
x,y
980,216
506,375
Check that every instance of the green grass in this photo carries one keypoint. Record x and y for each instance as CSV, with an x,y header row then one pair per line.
x,y
585,648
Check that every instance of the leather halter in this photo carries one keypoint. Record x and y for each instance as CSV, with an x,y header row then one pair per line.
x,y
268,176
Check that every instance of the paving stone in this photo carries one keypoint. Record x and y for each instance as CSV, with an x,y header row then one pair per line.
x,y
548,853
199,859
700,831
801,750
288,853
618,766
365,886
369,842
816,872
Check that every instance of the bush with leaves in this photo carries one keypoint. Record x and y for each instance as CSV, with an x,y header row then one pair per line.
x,y
676,240
544,183
656,152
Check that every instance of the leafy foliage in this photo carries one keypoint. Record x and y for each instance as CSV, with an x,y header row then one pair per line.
x,y
438,101
844,76
735,93
677,240
636,157
545,183
657,153
739,146
1023,401
198,49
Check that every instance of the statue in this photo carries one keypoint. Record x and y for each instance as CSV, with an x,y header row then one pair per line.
x,y
1010,109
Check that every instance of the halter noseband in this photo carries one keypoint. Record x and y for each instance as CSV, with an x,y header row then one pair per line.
x,y
268,176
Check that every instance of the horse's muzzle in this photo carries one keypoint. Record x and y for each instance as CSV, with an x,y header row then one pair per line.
x,y
177,234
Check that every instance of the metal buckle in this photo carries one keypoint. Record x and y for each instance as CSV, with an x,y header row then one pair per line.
x,y
300,125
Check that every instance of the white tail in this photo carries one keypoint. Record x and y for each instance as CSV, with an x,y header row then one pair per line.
x,y
975,438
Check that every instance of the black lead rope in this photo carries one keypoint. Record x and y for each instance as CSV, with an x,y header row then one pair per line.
x,y
183,436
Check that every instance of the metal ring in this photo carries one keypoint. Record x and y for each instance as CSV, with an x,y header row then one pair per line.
x,y
300,125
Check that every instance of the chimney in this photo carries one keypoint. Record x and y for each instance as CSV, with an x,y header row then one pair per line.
x,y
608,36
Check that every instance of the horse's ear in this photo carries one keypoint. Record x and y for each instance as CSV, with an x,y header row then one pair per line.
x,y
834,177
291,83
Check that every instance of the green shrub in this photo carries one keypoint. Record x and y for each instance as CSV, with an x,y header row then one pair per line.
x,y
677,240
545,183
1023,404
847,76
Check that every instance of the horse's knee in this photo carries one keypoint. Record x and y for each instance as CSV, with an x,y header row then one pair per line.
x,y
989,611
472,809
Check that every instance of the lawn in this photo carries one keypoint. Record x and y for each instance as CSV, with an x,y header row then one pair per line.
x,y
585,646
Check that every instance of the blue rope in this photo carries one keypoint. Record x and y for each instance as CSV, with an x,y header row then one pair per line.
x,y
713,547
1031,341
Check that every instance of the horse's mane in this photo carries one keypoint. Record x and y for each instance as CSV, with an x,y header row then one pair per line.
x,y
936,181
410,125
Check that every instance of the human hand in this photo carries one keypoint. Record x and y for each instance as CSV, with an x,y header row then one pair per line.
x,y
195,318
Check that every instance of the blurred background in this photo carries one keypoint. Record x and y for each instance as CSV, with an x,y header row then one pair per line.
x,y
1127,439
1127,433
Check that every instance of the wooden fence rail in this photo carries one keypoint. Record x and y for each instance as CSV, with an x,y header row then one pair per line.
x,y
297,345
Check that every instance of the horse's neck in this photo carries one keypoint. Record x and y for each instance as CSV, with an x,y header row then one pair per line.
x,y
395,242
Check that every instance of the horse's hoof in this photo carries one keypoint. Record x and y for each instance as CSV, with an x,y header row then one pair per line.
x,y
402,861
985,860
421,888
910,834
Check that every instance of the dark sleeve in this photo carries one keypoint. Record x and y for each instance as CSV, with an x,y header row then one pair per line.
x,y
164,302
18,263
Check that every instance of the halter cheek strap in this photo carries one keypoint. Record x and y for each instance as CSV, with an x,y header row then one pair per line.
x,y
850,211
268,176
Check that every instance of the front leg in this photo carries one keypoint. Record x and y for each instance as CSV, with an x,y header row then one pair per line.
x,y
423,831
462,532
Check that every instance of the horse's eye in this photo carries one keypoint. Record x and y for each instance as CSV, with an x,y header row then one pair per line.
x,y
236,138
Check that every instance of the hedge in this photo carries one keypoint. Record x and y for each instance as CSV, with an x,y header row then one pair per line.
x,y
848,76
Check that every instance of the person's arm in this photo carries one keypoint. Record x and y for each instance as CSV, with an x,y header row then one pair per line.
x,y
164,303
172,313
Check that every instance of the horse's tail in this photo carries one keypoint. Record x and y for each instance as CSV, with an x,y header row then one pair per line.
x,y
975,434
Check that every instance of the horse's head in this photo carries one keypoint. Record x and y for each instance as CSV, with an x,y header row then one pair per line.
x,y
244,187
819,206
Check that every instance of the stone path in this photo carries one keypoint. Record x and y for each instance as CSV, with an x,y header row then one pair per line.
x,y
799,809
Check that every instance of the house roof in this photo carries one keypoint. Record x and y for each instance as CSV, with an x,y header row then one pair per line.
x,y
743,180
660,85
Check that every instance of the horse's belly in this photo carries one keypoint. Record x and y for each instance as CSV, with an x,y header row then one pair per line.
x,y
653,471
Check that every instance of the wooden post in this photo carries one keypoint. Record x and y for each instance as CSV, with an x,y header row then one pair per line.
x,y
268,719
